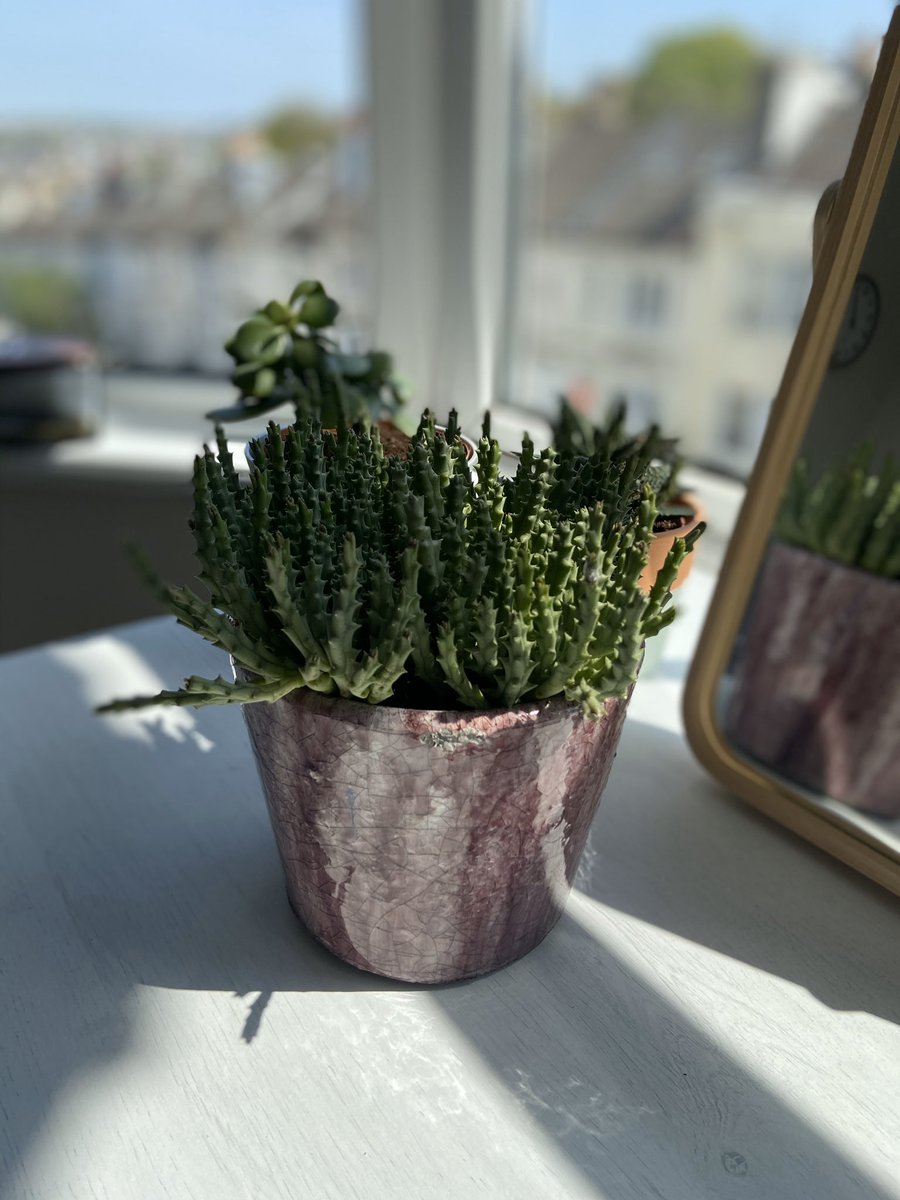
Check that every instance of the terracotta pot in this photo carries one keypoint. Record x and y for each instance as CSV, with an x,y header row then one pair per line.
x,y
816,691
662,543
430,846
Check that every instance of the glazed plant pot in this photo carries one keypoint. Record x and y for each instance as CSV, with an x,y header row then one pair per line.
x,y
430,846
663,539
816,694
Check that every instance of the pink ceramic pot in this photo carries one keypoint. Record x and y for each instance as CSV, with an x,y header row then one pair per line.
x,y
424,845
817,681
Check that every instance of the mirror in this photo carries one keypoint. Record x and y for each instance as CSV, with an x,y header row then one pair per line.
x,y
793,699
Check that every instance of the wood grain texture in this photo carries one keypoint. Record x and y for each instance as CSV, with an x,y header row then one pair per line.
x,y
715,1016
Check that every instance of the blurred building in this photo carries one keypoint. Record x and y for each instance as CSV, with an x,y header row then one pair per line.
x,y
671,259
668,259
173,240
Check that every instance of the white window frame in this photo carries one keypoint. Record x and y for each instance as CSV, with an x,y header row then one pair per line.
x,y
446,92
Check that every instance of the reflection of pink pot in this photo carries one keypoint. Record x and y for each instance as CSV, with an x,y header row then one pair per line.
x,y
817,681
427,845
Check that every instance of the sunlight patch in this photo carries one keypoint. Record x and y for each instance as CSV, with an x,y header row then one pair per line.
x,y
97,661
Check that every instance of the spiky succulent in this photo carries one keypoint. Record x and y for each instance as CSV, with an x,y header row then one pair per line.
x,y
850,514
341,569
654,458
283,355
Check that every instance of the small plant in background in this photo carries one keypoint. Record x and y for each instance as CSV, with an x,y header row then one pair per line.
x,y
284,355
655,458
345,570
850,514
47,301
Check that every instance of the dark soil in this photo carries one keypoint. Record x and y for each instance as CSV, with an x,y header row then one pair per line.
x,y
395,442
664,524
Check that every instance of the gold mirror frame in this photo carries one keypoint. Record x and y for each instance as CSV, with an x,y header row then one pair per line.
x,y
845,219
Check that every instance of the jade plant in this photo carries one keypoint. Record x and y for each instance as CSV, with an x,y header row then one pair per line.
x,y
655,457
412,582
850,513
285,355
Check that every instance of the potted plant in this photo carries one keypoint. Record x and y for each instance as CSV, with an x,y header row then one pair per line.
x,y
816,682
649,455
434,666
286,353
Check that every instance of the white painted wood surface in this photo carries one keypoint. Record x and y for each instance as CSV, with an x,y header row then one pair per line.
x,y
716,1016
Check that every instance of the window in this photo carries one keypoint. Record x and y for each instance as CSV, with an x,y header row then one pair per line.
x,y
677,167
743,416
165,170
152,217
771,293
644,404
646,302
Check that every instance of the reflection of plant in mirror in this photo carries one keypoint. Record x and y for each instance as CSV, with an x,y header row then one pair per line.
x,y
344,570
850,514
650,455
283,355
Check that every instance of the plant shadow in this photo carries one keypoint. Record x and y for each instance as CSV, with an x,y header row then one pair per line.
x,y
639,1096
100,896
615,1071
709,868
184,891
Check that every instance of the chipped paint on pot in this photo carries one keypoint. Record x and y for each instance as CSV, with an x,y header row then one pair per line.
x,y
426,845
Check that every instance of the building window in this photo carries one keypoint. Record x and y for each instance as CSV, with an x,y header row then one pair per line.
x,y
743,416
771,294
644,405
646,301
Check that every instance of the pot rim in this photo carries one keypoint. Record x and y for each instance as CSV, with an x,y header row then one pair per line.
x,y
850,568
689,500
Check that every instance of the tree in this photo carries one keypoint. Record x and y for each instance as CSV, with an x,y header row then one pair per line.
x,y
297,129
714,70
44,300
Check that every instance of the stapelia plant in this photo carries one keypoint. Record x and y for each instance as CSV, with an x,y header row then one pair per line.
x,y
850,514
650,455
284,354
349,572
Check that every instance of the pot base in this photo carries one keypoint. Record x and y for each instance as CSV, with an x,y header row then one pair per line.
x,y
368,969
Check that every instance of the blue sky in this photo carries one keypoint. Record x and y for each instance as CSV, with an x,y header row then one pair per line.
x,y
577,39
221,62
